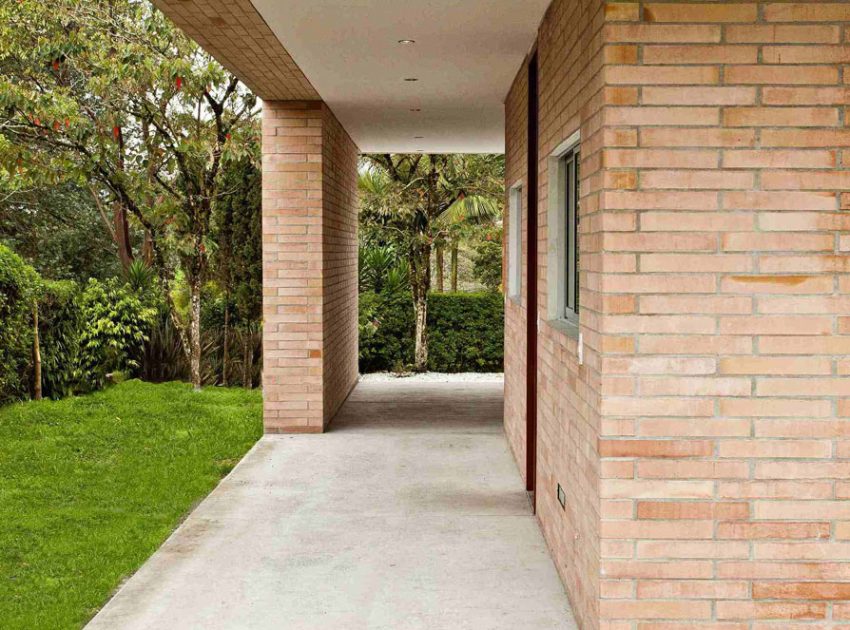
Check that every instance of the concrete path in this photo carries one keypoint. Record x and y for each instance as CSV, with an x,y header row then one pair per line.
x,y
409,514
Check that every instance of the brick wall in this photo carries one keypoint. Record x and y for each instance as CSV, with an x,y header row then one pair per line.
x,y
724,452
516,169
570,81
339,240
309,265
705,443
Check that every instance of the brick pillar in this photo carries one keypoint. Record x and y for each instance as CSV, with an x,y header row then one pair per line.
x,y
309,266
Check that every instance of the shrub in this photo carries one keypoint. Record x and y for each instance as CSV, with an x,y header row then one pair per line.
x,y
386,331
466,332
20,287
59,326
116,324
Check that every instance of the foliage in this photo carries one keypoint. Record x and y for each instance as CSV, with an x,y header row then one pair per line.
x,y
488,262
417,201
92,486
60,323
466,331
382,269
116,328
386,331
237,230
20,289
112,94
84,333
59,231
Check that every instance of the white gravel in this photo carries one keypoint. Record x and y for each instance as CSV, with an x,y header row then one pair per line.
x,y
434,377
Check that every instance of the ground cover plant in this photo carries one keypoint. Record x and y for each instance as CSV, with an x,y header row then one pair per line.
x,y
91,486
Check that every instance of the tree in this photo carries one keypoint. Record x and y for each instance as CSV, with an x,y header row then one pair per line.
x,y
237,231
414,198
110,93
488,260
59,231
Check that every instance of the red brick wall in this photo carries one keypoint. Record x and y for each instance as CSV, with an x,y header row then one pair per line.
x,y
705,443
724,454
516,169
309,265
339,241
570,80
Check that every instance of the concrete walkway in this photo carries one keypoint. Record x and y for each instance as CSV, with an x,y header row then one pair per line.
x,y
409,514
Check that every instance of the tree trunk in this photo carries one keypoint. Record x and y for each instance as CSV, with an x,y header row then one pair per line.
x,y
247,359
440,268
454,266
225,352
420,283
36,353
122,234
195,333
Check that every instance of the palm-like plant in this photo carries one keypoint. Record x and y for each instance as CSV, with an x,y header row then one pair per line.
x,y
415,201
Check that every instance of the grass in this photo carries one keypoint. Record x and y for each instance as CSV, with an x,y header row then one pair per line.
x,y
91,486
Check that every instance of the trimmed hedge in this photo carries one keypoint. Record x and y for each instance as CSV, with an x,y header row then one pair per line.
x,y
465,332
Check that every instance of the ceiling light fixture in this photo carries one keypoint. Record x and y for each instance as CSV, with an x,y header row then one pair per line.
x,y
415,109
411,79
406,42
418,137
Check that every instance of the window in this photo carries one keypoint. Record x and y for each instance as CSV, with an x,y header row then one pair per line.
x,y
563,234
571,228
515,243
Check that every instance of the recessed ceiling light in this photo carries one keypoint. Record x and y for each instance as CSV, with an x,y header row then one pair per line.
x,y
411,79
407,42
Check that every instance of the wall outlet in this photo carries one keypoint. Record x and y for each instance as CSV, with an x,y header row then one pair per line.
x,y
562,497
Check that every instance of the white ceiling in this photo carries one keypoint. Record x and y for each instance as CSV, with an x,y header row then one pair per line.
x,y
466,55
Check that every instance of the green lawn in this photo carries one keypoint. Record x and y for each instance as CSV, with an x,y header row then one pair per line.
x,y
91,486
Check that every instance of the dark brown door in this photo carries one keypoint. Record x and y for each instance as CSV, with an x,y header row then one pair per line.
x,y
531,285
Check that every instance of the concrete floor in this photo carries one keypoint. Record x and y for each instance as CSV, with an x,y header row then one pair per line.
x,y
409,514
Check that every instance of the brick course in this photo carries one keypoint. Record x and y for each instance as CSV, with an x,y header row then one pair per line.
x,y
309,265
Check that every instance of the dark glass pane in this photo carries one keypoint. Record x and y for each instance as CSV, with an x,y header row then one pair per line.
x,y
576,231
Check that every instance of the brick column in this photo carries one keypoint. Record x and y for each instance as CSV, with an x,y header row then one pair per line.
x,y
309,266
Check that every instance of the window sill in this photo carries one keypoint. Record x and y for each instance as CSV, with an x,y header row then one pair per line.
x,y
565,327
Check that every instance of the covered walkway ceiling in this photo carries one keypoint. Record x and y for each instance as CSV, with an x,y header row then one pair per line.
x,y
347,53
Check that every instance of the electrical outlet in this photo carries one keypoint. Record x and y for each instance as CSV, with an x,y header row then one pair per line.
x,y
562,497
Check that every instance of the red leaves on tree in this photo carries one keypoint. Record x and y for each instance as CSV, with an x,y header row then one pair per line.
x,y
116,131
179,83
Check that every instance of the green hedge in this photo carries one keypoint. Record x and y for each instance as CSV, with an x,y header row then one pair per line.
x,y
20,287
466,332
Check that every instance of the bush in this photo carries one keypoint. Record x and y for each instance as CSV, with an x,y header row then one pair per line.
x,y
116,325
386,331
84,334
20,287
466,332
